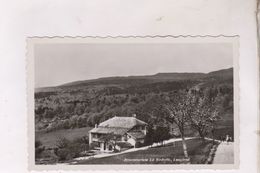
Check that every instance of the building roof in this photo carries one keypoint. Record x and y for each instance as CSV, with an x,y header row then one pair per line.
x,y
136,135
117,125
107,130
122,122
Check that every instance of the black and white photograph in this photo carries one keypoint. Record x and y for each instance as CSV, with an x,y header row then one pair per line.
x,y
133,101
140,86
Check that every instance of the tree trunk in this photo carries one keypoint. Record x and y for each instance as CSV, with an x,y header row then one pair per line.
x,y
202,136
185,152
213,137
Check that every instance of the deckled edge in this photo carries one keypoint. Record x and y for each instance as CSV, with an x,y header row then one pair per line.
x,y
138,36
236,75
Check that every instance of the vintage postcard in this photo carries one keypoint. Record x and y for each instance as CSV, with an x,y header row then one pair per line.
x,y
161,102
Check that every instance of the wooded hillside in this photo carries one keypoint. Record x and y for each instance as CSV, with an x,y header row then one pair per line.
x,y
86,103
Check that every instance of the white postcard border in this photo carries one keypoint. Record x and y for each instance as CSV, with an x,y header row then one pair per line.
x,y
123,40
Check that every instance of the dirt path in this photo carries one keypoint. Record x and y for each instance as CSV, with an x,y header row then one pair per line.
x,y
224,153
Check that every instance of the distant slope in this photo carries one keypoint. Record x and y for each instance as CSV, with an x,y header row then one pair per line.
x,y
139,80
222,74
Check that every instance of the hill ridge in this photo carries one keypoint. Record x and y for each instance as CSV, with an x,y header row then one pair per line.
x,y
144,78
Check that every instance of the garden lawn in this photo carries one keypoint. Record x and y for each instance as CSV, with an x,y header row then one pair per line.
x,y
49,139
168,154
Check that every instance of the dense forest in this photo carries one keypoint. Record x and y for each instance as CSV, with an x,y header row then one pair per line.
x,y
86,103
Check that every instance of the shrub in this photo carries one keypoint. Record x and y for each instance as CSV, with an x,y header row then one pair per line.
x,y
39,148
135,100
138,144
62,143
67,150
64,154
38,143
93,145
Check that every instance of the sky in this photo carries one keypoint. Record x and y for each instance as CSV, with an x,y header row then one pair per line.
x,y
57,64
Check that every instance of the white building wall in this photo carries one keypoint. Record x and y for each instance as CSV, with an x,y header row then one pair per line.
x,y
102,146
131,141
90,138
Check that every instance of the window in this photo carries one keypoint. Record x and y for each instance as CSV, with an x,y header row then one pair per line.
x,y
95,135
125,138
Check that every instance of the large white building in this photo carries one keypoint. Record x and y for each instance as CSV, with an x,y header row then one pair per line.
x,y
118,133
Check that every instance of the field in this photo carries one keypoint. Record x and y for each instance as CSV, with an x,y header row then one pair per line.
x,y
168,154
49,139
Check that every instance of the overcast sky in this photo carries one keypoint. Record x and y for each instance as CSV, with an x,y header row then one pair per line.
x,y
57,64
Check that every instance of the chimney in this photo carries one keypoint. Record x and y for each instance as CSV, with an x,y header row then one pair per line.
x,y
96,125
134,115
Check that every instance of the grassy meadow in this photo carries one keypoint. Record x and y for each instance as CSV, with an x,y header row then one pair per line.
x,y
168,154
49,139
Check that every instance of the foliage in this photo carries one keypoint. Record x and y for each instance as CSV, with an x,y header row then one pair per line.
x,y
205,109
161,134
86,106
178,109
149,138
67,150
161,102
39,148
70,107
